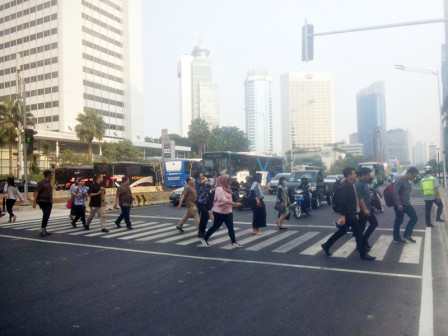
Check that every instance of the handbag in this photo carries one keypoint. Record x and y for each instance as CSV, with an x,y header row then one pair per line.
x,y
279,206
68,205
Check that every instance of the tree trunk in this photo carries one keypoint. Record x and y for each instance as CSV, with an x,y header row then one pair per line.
x,y
90,149
10,158
200,150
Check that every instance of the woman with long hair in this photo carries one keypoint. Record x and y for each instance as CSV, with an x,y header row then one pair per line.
x,y
283,199
12,195
222,210
259,208
72,209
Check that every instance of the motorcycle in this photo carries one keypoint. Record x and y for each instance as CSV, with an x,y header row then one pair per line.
x,y
302,204
375,200
244,199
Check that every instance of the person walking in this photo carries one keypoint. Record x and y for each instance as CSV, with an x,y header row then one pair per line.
x,y
431,194
124,198
202,186
259,208
72,209
222,211
81,193
97,203
43,195
283,199
189,195
366,214
349,209
11,197
402,205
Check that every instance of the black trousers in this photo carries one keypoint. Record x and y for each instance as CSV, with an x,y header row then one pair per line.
x,y
428,207
259,219
9,204
219,220
80,211
350,222
373,224
46,210
203,213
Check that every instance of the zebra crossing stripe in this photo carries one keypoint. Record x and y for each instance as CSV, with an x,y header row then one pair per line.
x,y
87,231
138,226
345,250
146,233
316,248
51,228
226,238
180,236
37,223
171,227
273,240
161,235
195,240
28,222
250,239
296,242
379,249
411,252
78,228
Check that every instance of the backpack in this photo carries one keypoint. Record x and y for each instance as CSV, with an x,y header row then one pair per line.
x,y
211,199
388,194
337,201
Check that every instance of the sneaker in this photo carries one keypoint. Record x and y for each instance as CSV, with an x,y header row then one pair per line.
x,y
399,241
205,243
179,228
86,227
43,233
47,233
237,244
105,230
118,225
429,225
129,228
440,220
326,249
368,257
409,239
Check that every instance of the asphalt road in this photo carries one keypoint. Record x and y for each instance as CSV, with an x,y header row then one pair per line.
x,y
154,280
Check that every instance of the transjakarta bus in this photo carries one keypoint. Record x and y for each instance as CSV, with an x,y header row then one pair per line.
x,y
241,164
177,171
377,168
139,174
66,176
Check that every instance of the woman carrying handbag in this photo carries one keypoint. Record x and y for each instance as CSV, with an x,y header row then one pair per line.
x,y
12,195
283,202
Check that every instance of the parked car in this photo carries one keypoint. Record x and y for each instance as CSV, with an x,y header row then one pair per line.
x,y
273,185
176,195
320,191
332,178
20,183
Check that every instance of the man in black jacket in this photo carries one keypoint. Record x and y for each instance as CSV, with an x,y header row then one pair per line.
x,y
349,208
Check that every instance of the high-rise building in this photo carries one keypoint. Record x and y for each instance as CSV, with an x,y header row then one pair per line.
x,y
307,110
397,146
259,111
371,110
420,153
353,138
75,55
432,152
199,94
356,149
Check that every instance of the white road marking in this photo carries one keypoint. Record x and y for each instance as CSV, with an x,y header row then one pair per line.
x,y
345,250
160,235
426,325
296,242
145,233
226,238
170,228
250,239
411,252
195,240
379,249
273,240
180,236
316,248
240,261
148,227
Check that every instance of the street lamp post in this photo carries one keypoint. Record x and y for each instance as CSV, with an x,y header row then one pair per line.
x,y
436,74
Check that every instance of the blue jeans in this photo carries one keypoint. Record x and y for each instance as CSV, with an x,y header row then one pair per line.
x,y
125,211
399,217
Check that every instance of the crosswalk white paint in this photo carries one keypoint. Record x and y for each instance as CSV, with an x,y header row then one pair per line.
x,y
145,227
316,248
195,240
179,237
213,241
250,239
345,250
273,240
381,246
296,242
411,252
170,228
147,233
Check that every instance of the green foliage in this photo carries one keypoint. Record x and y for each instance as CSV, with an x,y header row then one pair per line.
x,y
33,165
91,125
122,151
70,158
199,134
349,161
228,139
180,140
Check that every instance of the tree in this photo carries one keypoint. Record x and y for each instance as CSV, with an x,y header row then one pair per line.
x,y
178,139
228,139
199,134
122,151
349,161
10,119
33,164
46,150
70,158
91,125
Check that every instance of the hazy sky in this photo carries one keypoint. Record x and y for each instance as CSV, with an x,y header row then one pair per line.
x,y
246,34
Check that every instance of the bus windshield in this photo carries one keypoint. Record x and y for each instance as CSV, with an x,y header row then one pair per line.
x,y
177,171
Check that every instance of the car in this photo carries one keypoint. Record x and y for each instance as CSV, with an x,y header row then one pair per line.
x,y
176,195
32,184
394,176
320,190
273,185
332,178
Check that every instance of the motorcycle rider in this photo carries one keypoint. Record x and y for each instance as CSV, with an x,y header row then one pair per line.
x,y
305,186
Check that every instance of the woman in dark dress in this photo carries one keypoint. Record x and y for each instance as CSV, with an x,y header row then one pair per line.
x,y
259,209
283,198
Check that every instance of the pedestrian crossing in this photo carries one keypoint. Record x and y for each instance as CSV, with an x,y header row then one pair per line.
x,y
301,242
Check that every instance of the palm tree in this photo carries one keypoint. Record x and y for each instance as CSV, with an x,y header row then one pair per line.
x,y
199,134
91,125
10,119
46,150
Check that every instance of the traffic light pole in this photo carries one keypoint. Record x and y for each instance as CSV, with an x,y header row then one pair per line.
x,y
25,159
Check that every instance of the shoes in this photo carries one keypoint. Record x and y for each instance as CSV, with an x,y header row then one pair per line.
x,y
129,228
256,233
205,243
14,219
326,249
44,233
440,220
201,235
74,225
409,239
118,225
181,230
399,241
368,257
2,214
429,225
86,227
105,230
237,244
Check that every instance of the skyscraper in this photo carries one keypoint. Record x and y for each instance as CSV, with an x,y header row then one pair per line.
x,y
75,55
307,110
371,110
420,153
199,94
397,146
259,111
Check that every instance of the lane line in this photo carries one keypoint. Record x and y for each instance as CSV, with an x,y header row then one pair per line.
x,y
381,246
426,325
273,240
411,252
345,250
316,248
240,261
296,242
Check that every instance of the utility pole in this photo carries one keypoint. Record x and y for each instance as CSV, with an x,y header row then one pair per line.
x,y
19,124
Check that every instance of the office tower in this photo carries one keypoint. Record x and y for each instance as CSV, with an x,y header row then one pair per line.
x,y
353,138
397,146
371,110
356,149
420,153
199,94
307,110
75,55
259,111
432,152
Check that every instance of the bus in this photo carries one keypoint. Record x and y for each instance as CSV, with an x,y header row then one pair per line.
x,y
378,171
66,176
241,165
177,171
139,174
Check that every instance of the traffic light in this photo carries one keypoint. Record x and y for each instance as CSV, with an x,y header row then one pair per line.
x,y
29,140
307,42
